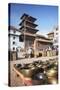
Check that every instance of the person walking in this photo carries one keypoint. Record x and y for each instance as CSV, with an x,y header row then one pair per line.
x,y
29,51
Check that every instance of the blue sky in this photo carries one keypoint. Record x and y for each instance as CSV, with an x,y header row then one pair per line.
x,y
47,16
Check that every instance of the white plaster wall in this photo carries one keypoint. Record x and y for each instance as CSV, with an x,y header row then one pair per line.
x,y
56,37
17,43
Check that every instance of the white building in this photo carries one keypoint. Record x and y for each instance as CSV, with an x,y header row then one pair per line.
x,y
13,40
54,35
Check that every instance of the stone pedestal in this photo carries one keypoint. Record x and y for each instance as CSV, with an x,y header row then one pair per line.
x,y
14,56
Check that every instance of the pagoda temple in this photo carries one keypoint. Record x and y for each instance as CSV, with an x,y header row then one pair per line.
x,y
28,30
29,35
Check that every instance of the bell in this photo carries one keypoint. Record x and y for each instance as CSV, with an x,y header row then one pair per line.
x,y
51,72
53,80
39,78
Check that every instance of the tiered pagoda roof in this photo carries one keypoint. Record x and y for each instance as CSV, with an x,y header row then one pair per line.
x,y
26,16
28,24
